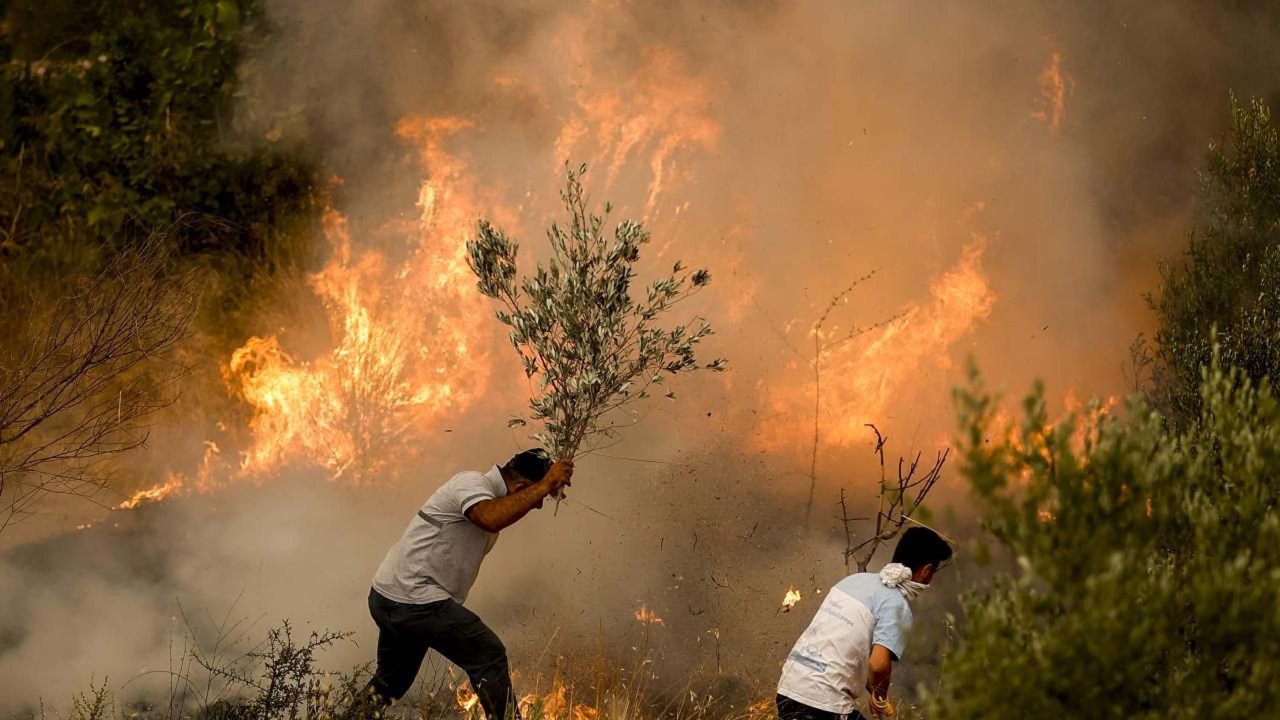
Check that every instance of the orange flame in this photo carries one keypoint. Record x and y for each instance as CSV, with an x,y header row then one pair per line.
x,y
648,617
154,494
177,482
861,380
1055,85
660,108
402,349
1086,418
556,703
402,354
551,703
790,599
465,697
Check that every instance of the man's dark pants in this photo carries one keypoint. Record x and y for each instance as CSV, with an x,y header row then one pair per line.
x,y
407,632
789,709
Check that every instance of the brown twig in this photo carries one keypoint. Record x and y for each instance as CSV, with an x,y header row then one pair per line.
x,y
91,373
821,347
896,502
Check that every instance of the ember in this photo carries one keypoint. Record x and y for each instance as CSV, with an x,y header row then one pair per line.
x,y
790,599
647,616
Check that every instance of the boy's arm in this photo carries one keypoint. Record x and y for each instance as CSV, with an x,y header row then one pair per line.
x,y
879,671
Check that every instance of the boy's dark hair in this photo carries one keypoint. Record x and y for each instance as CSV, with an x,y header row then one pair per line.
x,y
920,546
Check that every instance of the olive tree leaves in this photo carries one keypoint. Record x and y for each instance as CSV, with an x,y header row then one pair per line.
x,y
593,344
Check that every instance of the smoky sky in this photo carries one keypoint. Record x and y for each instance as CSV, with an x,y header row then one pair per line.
x,y
848,137
855,135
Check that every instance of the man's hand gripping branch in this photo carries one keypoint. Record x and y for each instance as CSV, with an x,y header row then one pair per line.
x,y
499,513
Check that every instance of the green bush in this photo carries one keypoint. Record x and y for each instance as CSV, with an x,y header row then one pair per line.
x,y
1149,563
1230,275
118,115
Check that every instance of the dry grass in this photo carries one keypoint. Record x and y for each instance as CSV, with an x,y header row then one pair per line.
x,y
214,676
217,674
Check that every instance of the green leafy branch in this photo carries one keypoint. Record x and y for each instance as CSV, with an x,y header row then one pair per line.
x,y
592,347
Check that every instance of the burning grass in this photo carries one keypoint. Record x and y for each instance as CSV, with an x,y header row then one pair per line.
x,y
280,679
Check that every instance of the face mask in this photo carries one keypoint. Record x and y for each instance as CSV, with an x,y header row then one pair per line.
x,y
898,576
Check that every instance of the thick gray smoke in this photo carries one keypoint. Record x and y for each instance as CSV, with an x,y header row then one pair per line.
x,y
789,146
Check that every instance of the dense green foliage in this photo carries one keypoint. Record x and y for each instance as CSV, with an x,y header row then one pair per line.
x,y
115,118
1150,564
1230,275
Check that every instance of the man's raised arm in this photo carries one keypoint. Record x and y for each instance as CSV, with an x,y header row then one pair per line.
x,y
499,513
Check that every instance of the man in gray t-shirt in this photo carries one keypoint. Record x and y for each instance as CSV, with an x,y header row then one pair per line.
x,y
418,591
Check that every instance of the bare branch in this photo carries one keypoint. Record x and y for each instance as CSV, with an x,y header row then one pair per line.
x,y
896,502
93,369
821,347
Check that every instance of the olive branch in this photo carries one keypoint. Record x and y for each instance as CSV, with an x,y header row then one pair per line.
x,y
592,347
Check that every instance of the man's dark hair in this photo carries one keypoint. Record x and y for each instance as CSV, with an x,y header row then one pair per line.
x,y
920,546
531,464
